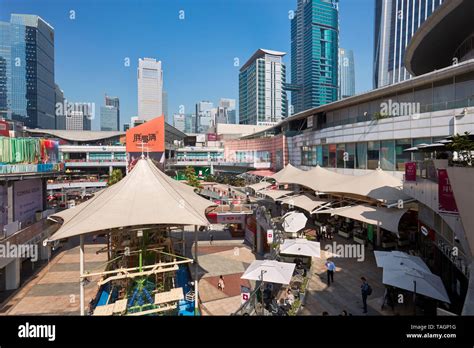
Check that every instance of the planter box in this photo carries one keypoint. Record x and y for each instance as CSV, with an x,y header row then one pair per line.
x,y
346,235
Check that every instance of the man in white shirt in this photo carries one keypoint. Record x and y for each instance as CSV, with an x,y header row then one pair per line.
x,y
331,268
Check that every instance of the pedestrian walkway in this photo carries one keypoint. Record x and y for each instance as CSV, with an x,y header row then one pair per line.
x,y
55,289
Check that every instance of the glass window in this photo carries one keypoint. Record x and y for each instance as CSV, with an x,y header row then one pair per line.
x,y
425,98
443,92
341,148
362,155
420,156
387,155
373,149
325,156
350,157
402,157
464,87
332,155
319,155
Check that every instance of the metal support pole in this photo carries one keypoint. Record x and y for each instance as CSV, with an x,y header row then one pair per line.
x,y
196,280
81,273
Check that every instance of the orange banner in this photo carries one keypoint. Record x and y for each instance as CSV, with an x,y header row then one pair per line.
x,y
149,136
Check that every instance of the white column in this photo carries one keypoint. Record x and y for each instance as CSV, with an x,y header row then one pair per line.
x,y
81,272
12,274
196,278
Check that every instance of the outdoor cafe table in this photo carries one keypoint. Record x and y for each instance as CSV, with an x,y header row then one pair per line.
x,y
173,295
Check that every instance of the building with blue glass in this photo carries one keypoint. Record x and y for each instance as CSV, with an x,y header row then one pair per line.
x,y
314,54
346,74
396,21
27,89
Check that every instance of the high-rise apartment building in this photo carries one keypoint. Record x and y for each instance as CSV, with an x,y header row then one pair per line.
x,y
262,97
230,105
60,115
395,23
27,89
165,107
110,114
150,89
179,122
314,53
203,116
79,117
346,73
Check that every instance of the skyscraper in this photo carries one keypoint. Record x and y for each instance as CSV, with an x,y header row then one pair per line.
x,y
229,104
203,116
27,89
395,23
79,117
262,98
314,53
60,115
179,122
165,107
110,114
346,73
150,89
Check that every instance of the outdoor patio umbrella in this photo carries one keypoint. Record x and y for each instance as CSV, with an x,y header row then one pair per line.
x,y
294,222
398,259
301,246
270,271
410,279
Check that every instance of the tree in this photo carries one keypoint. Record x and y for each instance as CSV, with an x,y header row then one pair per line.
x,y
115,177
464,147
191,177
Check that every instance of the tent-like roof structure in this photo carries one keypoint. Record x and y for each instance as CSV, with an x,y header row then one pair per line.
x,y
317,179
146,196
387,218
275,194
286,174
304,201
259,186
377,185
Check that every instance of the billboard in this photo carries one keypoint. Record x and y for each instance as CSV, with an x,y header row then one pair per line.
x,y
147,138
446,201
27,199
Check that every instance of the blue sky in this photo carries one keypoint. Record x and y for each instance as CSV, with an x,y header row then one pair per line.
x,y
197,52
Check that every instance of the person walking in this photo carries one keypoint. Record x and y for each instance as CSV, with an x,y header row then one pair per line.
x,y
366,290
330,267
221,284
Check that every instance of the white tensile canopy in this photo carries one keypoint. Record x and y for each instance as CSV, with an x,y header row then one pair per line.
x,y
399,259
427,284
317,179
270,271
286,173
387,218
294,222
301,246
304,201
259,186
275,194
146,196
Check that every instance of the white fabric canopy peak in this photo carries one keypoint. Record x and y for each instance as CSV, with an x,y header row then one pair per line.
x,y
386,218
286,174
305,202
146,196
259,186
301,246
272,271
275,194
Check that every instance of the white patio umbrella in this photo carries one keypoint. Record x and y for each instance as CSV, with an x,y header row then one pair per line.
x,y
270,271
410,279
294,222
398,259
301,246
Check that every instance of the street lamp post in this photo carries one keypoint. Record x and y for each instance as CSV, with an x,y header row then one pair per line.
x,y
262,272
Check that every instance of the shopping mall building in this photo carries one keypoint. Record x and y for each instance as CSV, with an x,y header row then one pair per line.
x,y
371,130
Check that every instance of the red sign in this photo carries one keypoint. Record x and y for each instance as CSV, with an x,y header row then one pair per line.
x,y
211,137
4,129
410,171
446,201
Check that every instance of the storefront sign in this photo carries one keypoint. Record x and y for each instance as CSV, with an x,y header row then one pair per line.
x,y
269,236
410,171
244,294
446,201
230,218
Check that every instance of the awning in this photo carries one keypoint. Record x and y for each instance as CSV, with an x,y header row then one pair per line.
x,y
305,202
301,246
286,174
386,218
270,271
259,186
146,196
275,194
398,259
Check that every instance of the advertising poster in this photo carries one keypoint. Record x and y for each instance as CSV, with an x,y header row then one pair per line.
x,y
410,171
27,200
446,201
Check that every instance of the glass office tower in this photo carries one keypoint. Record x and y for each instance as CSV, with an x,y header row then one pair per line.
x,y
314,53
395,23
346,73
27,89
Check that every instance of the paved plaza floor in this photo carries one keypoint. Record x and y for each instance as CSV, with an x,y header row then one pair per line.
x,y
55,289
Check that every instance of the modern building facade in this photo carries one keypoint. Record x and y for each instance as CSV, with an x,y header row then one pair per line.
x,y
262,97
165,106
80,117
395,23
109,118
203,116
179,122
150,89
27,89
346,74
314,54
59,111
230,105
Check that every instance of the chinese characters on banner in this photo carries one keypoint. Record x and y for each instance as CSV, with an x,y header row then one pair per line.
x,y
446,201
410,171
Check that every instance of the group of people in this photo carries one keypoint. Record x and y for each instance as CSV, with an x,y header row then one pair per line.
x,y
365,288
324,232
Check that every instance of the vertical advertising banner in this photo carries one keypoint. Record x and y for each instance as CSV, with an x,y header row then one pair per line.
x,y
27,199
3,207
147,138
446,201
410,171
